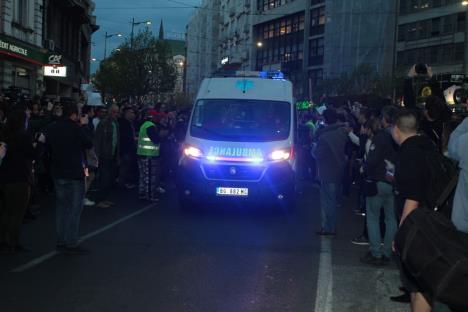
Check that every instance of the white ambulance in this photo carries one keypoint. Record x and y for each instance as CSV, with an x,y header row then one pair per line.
x,y
240,142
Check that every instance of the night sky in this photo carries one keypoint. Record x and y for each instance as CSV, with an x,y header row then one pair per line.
x,y
115,16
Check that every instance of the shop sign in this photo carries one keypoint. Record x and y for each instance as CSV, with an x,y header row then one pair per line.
x,y
55,59
55,71
15,48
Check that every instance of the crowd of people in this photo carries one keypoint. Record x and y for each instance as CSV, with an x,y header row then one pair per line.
x,y
70,149
383,152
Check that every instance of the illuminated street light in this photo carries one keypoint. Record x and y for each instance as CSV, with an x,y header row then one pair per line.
x,y
147,23
105,41
259,44
465,3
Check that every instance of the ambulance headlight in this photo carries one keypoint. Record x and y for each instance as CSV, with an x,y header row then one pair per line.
x,y
193,152
283,154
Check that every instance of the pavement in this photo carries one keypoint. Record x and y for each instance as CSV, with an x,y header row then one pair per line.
x,y
156,258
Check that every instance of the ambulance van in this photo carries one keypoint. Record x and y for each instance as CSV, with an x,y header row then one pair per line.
x,y
239,144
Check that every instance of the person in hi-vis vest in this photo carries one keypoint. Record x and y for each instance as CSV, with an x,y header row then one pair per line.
x,y
148,152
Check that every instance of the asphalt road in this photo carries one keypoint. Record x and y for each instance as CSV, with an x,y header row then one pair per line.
x,y
156,258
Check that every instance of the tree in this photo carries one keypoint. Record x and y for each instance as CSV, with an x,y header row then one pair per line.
x,y
135,71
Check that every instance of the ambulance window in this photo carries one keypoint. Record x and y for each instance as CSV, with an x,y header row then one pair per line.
x,y
241,120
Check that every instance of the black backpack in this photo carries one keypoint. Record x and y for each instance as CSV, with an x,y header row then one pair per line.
x,y
435,254
432,250
442,181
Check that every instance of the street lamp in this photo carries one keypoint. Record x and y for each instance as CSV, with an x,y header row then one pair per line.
x,y
106,36
465,3
259,44
147,23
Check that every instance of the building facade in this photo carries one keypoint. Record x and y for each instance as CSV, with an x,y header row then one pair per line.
x,y
433,32
310,40
39,33
202,45
21,51
235,35
280,32
67,30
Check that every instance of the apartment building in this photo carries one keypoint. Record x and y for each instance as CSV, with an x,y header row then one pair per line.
x,y
316,39
433,32
235,34
202,45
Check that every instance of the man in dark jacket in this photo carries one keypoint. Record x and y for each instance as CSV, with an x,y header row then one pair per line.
x,y
128,148
331,162
67,141
107,146
412,180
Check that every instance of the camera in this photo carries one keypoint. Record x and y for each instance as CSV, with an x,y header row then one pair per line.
x,y
421,69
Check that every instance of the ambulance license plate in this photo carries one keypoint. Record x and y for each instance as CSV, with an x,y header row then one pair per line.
x,y
232,191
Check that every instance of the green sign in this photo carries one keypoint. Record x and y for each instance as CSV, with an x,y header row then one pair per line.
x,y
303,105
22,50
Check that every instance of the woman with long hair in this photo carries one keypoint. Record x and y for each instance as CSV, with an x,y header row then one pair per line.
x,y
16,178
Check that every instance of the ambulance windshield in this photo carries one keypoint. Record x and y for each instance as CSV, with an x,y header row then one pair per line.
x,y
241,120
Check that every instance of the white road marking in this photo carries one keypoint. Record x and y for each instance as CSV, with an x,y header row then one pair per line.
x,y
324,296
46,257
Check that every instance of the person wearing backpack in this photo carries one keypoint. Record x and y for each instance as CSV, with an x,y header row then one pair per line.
x,y
431,250
458,150
412,179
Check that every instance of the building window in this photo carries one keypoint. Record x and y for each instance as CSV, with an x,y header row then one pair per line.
x,y
461,20
448,24
316,51
21,11
317,21
282,40
435,27
435,55
265,5
414,6
432,27
281,27
315,77
22,78
315,2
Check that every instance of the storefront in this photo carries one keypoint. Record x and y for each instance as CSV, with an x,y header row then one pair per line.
x,y
21,65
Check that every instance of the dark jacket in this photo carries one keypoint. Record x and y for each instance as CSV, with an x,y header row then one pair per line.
x,y
382,148
17,164
330,153
127,137
411,172
434,130
67,142
103,139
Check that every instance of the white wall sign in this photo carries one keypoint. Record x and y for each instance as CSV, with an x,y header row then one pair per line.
x,y
55,71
